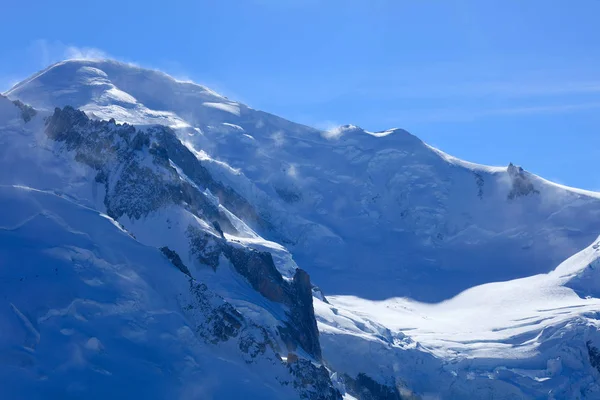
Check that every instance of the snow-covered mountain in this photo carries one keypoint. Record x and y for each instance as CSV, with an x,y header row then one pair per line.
x,y
437,278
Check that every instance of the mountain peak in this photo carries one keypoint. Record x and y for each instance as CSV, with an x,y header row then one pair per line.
x,y
425,259
78,82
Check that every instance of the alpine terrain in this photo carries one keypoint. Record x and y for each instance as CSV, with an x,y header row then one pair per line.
x,y
159,240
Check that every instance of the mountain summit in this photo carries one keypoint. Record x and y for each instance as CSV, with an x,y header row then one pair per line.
x,y
163,226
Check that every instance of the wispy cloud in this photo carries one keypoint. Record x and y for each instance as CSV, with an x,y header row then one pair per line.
x,y
85,53
45,52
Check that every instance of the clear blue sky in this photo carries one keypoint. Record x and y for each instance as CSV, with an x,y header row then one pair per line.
x,y
487,81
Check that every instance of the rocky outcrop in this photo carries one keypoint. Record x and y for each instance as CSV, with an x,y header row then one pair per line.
x,y
196,172
133,186
175,260
521,184
217,321
303,325
594,355
311,381
364,387
27,112
479,182
259,270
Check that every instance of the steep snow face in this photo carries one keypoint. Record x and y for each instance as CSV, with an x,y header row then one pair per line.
x,y
90,312
371,214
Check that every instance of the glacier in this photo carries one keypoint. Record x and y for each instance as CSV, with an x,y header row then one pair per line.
x,y
185,226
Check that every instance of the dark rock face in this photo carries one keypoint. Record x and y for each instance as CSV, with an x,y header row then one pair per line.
x,y
479,182
134,188
594,355
313,382
521,185
365,388
216,321
206,247
304,324
217,227
175,260
197,173
27,112
259,270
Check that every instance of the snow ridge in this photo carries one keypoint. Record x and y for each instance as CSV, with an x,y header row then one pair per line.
x,y
441,278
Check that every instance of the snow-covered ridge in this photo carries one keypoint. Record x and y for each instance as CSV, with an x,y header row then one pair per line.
x,y
345,199
440,276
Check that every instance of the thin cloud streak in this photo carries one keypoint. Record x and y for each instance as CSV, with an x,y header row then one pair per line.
x,y
47,52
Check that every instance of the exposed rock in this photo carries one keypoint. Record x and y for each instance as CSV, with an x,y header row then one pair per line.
x,y
312,382
216,320
175,259
259,270
303,323
217,227
594,355
255,342
291,358
206,247
196,172
318,293
27,112
133,187
521,184
364,387
479,182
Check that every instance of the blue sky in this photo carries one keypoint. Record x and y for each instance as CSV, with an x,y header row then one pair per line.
x,y
487,81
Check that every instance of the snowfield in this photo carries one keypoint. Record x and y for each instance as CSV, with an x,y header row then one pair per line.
x,y
90,312
530,332
181,224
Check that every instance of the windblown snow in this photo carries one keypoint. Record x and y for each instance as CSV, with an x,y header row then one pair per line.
x,y
432,277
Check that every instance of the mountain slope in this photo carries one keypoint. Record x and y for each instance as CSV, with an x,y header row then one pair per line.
x,y
348,203
440,275
91,312
227,291
524,338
